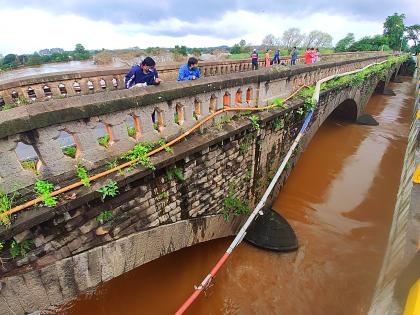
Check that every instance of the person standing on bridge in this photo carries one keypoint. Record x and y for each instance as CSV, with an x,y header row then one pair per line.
x,y
308,56
189,71
142,74
267,58
254,59
293,56
317,55
276,58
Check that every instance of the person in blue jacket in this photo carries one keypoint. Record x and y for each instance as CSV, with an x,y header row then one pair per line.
x,y
189,71
276,59
142,74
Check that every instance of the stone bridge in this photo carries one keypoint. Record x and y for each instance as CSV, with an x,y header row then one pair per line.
x,y
180,202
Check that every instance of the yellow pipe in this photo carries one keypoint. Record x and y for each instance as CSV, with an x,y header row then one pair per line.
x,y
416,175
412,305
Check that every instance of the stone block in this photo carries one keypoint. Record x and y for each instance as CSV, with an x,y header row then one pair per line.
x,y
65,272
108,261
51,283
95,265
89,226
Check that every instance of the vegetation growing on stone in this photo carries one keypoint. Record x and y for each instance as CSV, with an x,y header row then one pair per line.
x,y
104,216
20,249
70,151
175,173
233,205
29,165
131,131
254,121
104,141
162,142
139,153
109,190
44,189
83,175
163,195
6,203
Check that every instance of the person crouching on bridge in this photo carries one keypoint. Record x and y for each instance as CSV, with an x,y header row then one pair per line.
x,y
142,74
189,71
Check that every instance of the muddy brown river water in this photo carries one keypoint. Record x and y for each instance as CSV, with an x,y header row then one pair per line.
x,y
339,199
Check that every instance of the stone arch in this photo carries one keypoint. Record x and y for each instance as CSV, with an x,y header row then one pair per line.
x,y
380,87
346,110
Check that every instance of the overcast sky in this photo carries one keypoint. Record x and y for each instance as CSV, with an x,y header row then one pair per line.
x,y
28,26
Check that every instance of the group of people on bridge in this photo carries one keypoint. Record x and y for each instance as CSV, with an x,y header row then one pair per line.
x,y
145,73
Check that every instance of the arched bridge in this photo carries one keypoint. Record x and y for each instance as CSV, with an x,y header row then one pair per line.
x,y
90,237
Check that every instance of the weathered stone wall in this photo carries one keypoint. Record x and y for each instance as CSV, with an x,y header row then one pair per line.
x,y
405,230
154,215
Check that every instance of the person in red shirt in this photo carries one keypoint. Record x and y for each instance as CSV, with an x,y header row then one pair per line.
x,y
308,56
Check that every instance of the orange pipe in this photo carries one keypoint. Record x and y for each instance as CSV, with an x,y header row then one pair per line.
x,y
126,164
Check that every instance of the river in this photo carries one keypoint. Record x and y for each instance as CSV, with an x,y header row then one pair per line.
x,y
339,199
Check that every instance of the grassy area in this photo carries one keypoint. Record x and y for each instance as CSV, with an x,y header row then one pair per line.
x,y
283,52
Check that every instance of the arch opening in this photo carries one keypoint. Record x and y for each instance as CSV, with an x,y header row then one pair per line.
x,y
347,111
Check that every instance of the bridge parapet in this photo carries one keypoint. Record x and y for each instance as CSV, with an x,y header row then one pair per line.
x,y
121,118
40,88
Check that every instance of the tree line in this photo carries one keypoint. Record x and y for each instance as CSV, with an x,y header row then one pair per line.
x,y
396,36
12,61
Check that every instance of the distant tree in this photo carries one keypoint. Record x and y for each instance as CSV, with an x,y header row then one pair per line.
x,y
394,29
367,43
270,41
236,49
310,39
154,50
80,53
344,43
292,37
323,40
180,50
9,59
413,33
80,49
196,52
242,43
35,59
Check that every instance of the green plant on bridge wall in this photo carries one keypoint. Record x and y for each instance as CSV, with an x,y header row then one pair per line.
x,y
6,203
233,205
83,175
175,172
104,216
254,121
20,249
139,152
108,190
44,189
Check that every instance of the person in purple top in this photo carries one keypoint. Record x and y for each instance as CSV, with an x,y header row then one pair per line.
x,y
142,74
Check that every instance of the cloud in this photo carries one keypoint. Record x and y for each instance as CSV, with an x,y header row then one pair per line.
x,y
128,23
147,12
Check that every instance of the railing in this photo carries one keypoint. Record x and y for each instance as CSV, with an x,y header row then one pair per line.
x,y
65,84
